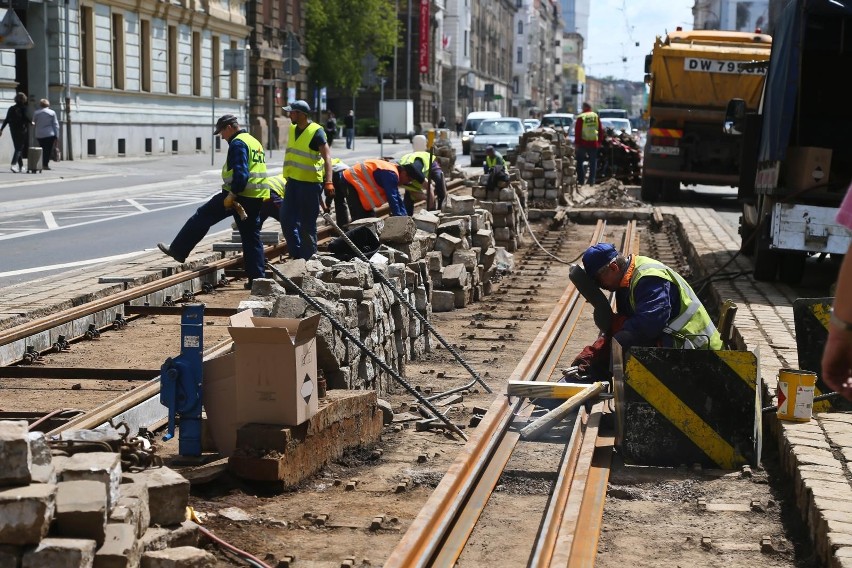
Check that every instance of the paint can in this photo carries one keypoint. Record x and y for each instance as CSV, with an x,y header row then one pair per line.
x,y
795,394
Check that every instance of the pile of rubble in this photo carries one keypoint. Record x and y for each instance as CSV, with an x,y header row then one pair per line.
x,y
438,262
609,194
620,157
504,200
546,161
445,154
84,510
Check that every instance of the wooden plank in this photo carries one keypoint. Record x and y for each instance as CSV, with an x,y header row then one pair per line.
x,y
539,389
555,416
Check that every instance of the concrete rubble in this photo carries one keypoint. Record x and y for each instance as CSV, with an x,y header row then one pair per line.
x,y
546,162
92,514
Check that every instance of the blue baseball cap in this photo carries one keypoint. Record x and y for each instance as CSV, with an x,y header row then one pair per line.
x,y
597,256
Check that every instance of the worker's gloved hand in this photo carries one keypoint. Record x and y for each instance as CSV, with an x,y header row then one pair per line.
x,y
228,203
328,189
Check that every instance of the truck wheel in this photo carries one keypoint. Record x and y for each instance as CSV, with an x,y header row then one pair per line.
x,y
765,264
791,267
652,189
671,190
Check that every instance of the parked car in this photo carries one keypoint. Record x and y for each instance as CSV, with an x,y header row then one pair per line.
x,y
502,133
562,120
471,124
612,113
617,125
531,123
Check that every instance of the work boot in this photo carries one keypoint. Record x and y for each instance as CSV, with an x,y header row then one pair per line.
x,y
247,285
166,251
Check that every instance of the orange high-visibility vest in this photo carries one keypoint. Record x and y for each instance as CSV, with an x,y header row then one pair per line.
x,y
360,176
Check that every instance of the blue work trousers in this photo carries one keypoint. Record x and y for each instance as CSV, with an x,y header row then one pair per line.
x,y
583,155
271,208
299,217
212,212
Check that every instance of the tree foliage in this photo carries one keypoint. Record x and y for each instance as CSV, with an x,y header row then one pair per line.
x,y
339,33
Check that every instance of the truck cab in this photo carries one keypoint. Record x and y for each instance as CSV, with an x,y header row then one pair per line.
x,y
796,150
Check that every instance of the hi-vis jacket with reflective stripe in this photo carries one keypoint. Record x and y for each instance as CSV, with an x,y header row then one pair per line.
x,y
277,184
300,162
692,328
414,186
256,185
360,176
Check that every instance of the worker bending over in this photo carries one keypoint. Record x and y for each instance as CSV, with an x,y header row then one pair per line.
x,y
429,167
372,183
655,307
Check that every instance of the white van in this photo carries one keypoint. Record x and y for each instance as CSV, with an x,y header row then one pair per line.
x,y
470,125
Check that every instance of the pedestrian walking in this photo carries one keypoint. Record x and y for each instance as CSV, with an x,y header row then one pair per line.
x,y
307,168
18,121
243,191
372,183
349,129
442,122
46,131
458,127
330,128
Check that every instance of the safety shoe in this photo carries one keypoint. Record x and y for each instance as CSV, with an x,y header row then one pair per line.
x,y
166,251
247,285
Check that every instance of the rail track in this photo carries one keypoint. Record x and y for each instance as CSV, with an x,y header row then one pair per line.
x,y
438,536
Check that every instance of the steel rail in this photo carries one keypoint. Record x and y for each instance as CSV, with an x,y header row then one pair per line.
x,y
425,538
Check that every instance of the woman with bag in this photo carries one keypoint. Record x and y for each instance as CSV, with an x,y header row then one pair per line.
x,y
46,131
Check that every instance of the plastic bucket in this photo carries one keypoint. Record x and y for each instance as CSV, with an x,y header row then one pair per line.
x,y
795,394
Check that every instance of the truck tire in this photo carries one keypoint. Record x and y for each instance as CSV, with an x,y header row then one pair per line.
x,y
671,190
791,267
652,189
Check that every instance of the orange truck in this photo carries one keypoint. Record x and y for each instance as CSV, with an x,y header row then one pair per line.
x,y
691,76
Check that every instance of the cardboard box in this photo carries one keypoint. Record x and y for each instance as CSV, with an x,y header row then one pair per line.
x,y
276,368
807,166
219,390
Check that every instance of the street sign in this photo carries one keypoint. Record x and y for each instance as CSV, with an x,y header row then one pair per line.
x,y
235,59
292,45
13,34
291,66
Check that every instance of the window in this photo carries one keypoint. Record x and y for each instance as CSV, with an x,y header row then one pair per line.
x,y
118,51
87,46
235,83
173,59
196,64
520,55
145,55
520,27
215,66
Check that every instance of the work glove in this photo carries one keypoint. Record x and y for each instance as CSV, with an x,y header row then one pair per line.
x,y
231,202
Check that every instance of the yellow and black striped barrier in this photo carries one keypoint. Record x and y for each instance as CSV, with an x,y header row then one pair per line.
x,y
810,316
682,406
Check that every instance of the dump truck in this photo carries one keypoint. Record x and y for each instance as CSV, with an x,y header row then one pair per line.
x,y
797,148
691,76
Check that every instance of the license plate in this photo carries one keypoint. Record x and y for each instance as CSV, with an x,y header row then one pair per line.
x,y
666,150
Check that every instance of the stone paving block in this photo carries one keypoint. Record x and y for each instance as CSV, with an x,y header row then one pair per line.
x,y
181,557
804,455
398,230
39,449
61,553
455,276
134,496
81,510
26,513
104,467
443,301
842,558
43,474
812,442
15,453
121,549
168,494
158,538
426,221
835,417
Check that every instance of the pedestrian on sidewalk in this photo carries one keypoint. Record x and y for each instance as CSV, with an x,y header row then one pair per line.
x,y
307,167
458,127
349,129
46,131
243,186
837,356
588,137
18,120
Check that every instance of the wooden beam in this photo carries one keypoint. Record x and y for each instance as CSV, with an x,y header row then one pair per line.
x,y
539,389
538,427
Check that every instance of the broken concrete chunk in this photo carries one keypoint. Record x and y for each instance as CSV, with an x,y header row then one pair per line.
x,y
104,467
290,307
168,494
60,553
398,230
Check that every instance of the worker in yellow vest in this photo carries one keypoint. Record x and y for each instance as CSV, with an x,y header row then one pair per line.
x,y
243,189
307,169
414,189
588,136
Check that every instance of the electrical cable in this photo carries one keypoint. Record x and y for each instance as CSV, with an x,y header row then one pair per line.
x,y
544,250
252,561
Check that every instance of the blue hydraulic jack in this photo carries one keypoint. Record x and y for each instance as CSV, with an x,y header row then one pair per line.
x,y
180,382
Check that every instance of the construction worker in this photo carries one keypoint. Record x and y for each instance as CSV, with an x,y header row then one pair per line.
x,y
588,136
338,196
307,169
655,307
372,183
492,158
243,192
272,205
414,189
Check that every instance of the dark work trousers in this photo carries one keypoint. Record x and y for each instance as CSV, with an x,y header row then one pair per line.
x,y
586,154
440,195
299,217
341,209
46,149
214,211
21,142
271,208
356,210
